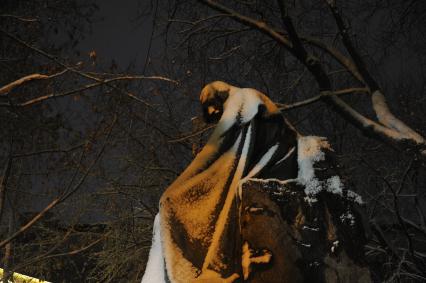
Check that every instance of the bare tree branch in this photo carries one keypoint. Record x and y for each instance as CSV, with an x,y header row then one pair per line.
x,y
46,151
20,18
359,63
93,85
7,88
311,100
336,54
100,81
259,25
191,135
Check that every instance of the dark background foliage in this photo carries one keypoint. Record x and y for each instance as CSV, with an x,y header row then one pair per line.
x,y
114,125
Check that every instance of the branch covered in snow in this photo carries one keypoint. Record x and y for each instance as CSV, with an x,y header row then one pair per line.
x,y
399,135
383,113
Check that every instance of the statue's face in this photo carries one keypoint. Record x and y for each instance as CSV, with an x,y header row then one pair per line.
x,y
213,106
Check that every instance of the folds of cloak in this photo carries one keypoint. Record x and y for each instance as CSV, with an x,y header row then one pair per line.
x,y
191,206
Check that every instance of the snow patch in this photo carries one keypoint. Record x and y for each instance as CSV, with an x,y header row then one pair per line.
x,y
334,185
334,246
250,104
355,197
286,156
310,152
256,169
310,228
154,271
263,161
240,107
305,245
348,217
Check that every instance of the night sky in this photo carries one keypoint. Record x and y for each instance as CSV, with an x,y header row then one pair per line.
x,y
119,33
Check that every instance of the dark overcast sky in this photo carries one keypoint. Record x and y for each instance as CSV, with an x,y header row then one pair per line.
x,y
119,34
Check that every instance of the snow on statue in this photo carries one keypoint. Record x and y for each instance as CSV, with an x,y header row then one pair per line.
x,y
195,231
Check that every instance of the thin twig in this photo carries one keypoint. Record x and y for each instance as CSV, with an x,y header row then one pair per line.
x,y
3,183
93,85
21,18
62,197
47,151
311,100
194,134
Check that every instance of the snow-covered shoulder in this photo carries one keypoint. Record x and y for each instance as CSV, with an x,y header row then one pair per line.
x,y
241,107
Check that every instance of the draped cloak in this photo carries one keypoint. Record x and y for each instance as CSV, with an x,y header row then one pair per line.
x,y
196,230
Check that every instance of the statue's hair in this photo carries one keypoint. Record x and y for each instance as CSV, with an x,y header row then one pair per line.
x,y
209,91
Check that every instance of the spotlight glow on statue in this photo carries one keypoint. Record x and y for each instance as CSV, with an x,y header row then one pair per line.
x,y
198,212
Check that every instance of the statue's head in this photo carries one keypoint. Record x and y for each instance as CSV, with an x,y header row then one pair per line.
x,y
247,102
212,98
